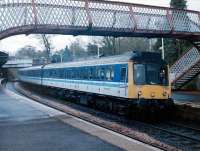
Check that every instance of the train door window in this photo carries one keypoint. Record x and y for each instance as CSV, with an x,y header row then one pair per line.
x,y
96,73
93,73
123,74
112,74
139,74
102,74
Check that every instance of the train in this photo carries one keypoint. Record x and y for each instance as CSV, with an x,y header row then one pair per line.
x,y
134,79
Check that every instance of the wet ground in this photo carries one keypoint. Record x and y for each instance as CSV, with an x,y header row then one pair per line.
x,y
186,96
26,125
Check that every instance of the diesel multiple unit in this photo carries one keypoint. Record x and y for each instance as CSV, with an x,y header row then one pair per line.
x,y
135,77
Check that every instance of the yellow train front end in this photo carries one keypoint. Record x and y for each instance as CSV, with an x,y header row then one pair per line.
x,y
148,82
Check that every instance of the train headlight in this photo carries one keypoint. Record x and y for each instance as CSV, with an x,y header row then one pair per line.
x,y
153,95
139,93
164,93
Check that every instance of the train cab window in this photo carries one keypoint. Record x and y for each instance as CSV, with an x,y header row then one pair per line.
x,y
123,74
157,74
139,74
152,74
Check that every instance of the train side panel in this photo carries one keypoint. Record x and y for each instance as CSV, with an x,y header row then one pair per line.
x,y
114,87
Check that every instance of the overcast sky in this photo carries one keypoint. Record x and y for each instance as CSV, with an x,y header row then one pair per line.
x,y
11,44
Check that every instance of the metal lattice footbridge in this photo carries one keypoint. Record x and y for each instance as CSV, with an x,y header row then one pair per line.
x,y
101,18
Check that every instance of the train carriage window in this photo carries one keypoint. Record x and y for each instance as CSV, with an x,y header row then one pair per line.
x,y
80,73
76,73
85,74
94,73
108,74
63,73
123,74
97,73
54,73
69,74
72,74
90,73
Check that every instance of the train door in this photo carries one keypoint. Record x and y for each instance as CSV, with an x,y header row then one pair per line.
x,y
65,77
123,81
42,75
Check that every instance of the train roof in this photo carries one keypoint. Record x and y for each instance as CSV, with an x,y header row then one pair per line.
x,y
31,68
118,59
91,62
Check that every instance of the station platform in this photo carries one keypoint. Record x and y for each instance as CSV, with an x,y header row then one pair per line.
x,y
191,98
187,105
29,125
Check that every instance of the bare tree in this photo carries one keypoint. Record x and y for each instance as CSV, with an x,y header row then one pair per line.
x,y
46,41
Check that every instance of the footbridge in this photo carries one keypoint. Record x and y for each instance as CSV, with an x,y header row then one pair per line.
x,y
102,18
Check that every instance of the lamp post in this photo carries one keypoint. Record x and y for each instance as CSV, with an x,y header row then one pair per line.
x,y
162,48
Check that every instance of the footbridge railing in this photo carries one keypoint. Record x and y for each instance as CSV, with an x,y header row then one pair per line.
x,y
84,17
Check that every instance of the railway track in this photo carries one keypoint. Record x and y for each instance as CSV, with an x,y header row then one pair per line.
x,y
182,137
165,136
